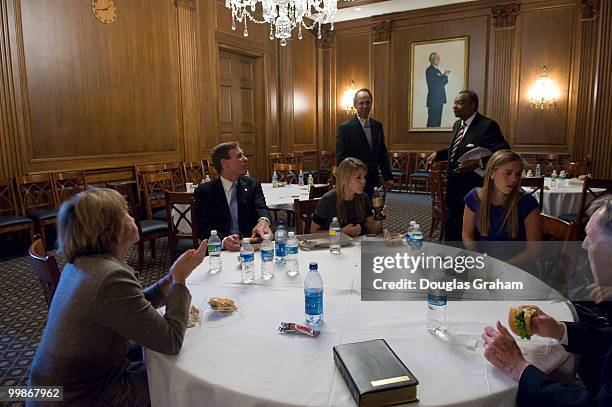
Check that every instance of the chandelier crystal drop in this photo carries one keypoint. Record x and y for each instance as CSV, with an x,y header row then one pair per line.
x,y
284,15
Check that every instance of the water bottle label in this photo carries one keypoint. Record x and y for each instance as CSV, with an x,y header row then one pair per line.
x,y
437,300
280,249
247,257
214,248
291,250
334,232
314,303
267,255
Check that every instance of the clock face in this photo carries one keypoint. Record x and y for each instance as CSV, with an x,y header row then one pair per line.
x,y
104,10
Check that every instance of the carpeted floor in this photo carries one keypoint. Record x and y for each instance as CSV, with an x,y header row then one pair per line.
x,y
24,311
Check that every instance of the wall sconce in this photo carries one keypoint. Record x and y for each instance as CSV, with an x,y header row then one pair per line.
x,y
347,99
544,93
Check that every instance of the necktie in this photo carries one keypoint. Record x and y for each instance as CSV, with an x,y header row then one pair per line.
x,y
368,132
457,141
233,207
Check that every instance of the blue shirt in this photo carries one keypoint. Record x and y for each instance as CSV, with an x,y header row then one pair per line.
x,y
497,230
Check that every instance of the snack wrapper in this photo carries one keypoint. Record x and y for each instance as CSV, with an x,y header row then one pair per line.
x,y
291,327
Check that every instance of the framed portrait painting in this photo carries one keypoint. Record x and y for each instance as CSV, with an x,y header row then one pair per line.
x,y
438,72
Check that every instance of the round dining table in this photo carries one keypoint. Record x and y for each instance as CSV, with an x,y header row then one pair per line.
x,y
282,197
561,198
240,358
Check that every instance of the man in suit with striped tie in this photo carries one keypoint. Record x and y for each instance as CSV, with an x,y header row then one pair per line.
x,y
470,131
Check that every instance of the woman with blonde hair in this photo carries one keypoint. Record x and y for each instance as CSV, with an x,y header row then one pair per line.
x,y
347,202
99,305
502,211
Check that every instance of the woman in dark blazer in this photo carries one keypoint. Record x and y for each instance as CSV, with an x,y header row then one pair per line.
x,y
99,305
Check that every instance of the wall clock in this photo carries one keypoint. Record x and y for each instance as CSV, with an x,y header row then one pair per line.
x,y
104,10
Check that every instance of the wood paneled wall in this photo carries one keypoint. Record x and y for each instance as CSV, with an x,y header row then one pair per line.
x,y
509,43
76,93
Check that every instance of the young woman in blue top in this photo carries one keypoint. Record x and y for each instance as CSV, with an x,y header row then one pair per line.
x,y
502,211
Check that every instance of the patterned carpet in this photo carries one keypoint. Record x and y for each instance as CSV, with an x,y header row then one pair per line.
x,y
24,311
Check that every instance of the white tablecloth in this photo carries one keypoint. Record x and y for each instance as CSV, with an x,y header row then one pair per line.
x,y
276,198
561,199
240,359
282,198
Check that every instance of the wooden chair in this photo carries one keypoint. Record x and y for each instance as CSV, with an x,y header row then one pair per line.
x,y
303,215
140,170
399,168
438,206
11,215
326,160
155,186
537,183
194,172
441,166
318,191
210,169
37,199
182,204
588,195
288,172
420,174
554,266
148,230
45,267
575,169
67,184
178,174
275,158
294,158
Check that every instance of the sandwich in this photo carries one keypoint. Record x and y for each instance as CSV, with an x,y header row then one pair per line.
x,y
519,320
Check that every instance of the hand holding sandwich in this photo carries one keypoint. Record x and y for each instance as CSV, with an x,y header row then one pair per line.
x,y
525,320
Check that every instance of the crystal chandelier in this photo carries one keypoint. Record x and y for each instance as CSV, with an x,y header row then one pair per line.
x,y
544,93
284,15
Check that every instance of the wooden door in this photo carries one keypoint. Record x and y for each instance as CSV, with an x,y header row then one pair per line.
x,y
241,106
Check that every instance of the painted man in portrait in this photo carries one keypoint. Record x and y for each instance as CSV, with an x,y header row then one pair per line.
x,y
436,94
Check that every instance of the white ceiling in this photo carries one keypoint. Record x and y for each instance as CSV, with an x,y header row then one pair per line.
x,y
389,6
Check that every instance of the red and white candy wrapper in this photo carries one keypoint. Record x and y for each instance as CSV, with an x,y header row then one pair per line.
x,y
291,327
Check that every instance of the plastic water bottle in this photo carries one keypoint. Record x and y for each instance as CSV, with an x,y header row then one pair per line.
x,y
538,170
562,176
274,180
437,301
334,237
301,178
410,229
416,238
291,248
280,240
207,179
553,179
310,181
214,252
247,260
267,258
313,295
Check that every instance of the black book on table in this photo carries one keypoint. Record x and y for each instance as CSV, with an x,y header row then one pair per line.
x,y
374,373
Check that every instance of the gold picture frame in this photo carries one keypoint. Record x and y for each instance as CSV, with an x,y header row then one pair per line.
x,y
430,104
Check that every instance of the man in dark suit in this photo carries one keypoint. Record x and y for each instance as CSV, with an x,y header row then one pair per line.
x,y
436,94
593,344
470,131
234,205
362,137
